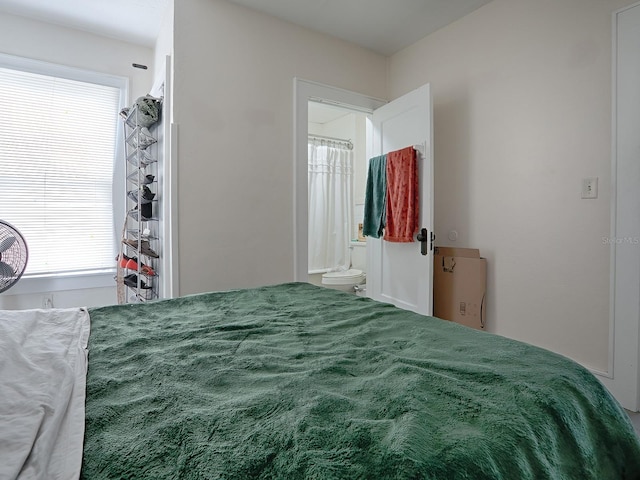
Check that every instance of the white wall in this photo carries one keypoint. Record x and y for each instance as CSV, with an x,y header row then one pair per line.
x,y
64,46
85,297
233,104
50,43
522,112
163,45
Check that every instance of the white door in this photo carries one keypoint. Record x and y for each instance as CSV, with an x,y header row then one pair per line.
x,y
399,273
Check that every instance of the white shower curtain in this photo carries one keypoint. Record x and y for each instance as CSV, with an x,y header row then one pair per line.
x,y
330,206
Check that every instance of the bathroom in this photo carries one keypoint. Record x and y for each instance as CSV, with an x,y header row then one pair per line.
x,y
337,250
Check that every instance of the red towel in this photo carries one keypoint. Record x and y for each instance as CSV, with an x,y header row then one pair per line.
x,y
403,195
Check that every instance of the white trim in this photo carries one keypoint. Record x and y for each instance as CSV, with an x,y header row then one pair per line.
x,y
61,71
623,375
63,282
623,9
303,91
169,226
172,218
608,374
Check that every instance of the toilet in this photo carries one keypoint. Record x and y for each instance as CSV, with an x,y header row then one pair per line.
x,y
348,279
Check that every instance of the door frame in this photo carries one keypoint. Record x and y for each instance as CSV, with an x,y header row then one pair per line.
x,y
622,377
303,91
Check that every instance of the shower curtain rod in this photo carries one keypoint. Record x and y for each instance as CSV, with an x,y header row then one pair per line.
x,y
333,139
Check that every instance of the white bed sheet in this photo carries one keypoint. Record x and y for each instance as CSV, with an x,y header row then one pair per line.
x,y
43,367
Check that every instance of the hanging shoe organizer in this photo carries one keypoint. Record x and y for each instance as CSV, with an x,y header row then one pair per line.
x,y
137,263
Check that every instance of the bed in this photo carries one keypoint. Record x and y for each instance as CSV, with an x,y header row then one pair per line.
x,y
295,381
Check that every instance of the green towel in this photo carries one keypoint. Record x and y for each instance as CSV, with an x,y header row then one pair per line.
x,y
375,197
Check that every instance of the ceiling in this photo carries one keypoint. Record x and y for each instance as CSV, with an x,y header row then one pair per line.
x,y
134,21
384,26
321,113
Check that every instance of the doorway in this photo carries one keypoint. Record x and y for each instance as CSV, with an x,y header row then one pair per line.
x,y
337,177
398,271
304,92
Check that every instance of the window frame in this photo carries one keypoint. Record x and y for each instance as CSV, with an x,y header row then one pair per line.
x,y
39,283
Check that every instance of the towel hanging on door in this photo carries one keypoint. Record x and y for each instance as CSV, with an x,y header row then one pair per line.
x,y
403,195
375,197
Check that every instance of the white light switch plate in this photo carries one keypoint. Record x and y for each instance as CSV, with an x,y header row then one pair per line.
x,y
590,187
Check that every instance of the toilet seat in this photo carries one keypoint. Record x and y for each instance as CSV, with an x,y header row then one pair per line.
x,y
347,277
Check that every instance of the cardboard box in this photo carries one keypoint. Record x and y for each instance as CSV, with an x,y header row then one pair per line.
x,y
459,286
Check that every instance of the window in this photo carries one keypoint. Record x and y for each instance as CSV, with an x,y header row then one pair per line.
x,y
59,130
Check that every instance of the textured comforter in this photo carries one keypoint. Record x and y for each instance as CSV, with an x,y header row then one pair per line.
x,y
300,382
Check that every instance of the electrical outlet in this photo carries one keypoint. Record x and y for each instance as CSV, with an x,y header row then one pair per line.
x,y
47,301
590,187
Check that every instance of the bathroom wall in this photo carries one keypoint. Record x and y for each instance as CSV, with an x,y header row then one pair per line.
x,y
350,126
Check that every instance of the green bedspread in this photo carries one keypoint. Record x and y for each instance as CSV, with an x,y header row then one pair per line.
x,y
301,382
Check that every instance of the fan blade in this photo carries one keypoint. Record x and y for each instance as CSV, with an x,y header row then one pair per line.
x,y
6,243
6,271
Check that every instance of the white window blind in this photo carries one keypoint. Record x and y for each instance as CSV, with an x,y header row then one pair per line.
x,y
57,150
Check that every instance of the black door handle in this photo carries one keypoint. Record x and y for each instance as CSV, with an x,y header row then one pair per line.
x,y
423,238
